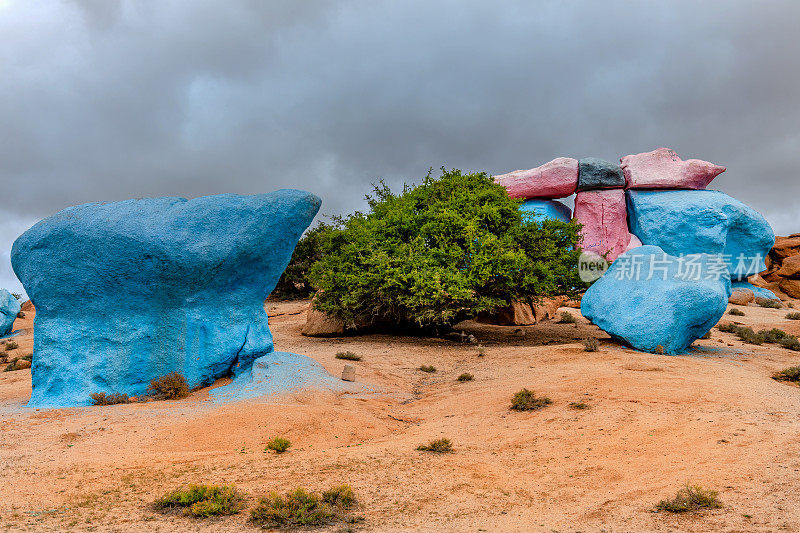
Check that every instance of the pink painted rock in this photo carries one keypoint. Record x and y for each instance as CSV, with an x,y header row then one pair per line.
x,y
663,169
556,179
604,215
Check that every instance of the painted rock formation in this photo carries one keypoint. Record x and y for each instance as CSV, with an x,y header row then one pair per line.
x,y
129,291
543,209
594,173
648,299
556,179
663,169
689,222
9,309
603,214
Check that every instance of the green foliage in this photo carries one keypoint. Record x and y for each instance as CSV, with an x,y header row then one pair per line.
x,y
294,282
101,398
526,400
790,374
437,446
279,445
567,318
428,368
690,498
301,508
203,501
736,312
441,252
348,356
173,386
773,336
769,304
793,316
466,376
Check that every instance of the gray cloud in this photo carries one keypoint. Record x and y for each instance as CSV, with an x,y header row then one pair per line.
x,y
103,100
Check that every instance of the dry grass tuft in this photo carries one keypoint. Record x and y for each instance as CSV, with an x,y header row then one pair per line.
x,y
115,398
202,501
302,509
526,400
173,386
348,356
437,446
689,499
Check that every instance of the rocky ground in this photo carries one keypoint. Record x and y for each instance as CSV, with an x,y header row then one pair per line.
x,y
714,418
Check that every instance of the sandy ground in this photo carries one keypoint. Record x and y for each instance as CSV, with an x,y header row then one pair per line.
x,y
714,418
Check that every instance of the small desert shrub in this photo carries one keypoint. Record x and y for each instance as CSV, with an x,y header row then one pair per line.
x,y
690,498
526,400
278,445
437,446
203,501
101,398
769,304
790,343
579,406
728,327
173,386
736,312
466,376
790,374
348,356
659,350
591,345
567,318
707,335
773,335
428,368
21,314
481,351
300,508
11,345
341,496
793,316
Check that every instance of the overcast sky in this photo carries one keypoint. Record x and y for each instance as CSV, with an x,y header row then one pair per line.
x,y
108,100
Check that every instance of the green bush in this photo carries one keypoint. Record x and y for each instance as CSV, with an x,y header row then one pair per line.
x,y
301,508
428,368
769,304
466,376
203,501
736,312
690,498
567,318
437,446
101,398
439,253
294,282
173,386
526,400
790,374
279,445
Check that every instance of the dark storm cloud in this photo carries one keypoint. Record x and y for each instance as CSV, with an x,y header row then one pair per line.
x,y
104,100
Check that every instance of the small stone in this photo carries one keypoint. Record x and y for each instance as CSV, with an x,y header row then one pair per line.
x,y
349,373
742,297
594,173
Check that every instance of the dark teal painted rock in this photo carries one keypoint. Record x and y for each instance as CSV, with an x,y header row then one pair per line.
x,y
130,291
594,173
648,299
691,222
542,209
9,309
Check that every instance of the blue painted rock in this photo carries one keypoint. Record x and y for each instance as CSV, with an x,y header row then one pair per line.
x,y
648,299
711,222
542,209
594,173
9,309
758,292
130,291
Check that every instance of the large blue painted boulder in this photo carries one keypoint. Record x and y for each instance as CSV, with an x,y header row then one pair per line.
x,y
543,209
130,291
9,309
648,299
711,222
